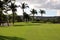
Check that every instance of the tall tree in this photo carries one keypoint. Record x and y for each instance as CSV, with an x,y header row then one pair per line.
x,y
13,8
33,11
23,6
42,12
26,16
6,8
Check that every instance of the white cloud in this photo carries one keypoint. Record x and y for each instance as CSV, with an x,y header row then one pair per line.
x,y
51,4
43,4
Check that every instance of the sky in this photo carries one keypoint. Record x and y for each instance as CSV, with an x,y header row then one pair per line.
x,y
52,7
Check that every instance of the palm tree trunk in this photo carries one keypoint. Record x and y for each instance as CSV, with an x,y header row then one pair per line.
x,y
23,15
33,18
7,20
13,18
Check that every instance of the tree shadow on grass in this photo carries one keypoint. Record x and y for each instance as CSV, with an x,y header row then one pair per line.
x,y
19,25
10,38
13,25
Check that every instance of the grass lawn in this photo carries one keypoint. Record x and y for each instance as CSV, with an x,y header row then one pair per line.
x,y
30,31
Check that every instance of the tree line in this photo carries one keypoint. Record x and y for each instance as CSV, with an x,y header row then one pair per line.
x,y
7,5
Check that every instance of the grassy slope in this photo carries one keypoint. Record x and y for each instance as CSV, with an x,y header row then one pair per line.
x,y
31,31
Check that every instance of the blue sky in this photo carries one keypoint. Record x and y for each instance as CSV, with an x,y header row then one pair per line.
x,y
51,13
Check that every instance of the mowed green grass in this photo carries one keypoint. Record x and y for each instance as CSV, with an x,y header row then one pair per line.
x,y
32,31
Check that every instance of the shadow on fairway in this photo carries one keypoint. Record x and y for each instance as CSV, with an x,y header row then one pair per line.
x,y
10,38
19,25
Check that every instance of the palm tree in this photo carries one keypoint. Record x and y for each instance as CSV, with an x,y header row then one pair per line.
x,y
33,11
6,9
23,6
42,12
13,8
4,6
